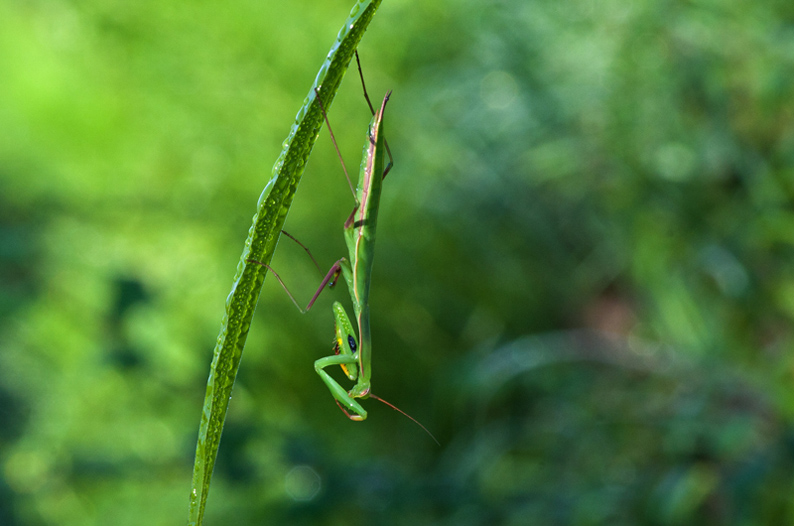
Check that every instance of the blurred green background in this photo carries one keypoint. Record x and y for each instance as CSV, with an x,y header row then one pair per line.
x,y
583,283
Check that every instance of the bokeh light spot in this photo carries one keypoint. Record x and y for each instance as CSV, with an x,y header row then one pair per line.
x,y
302,483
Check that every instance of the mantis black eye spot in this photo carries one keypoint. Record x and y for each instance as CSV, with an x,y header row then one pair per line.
x,y
351,342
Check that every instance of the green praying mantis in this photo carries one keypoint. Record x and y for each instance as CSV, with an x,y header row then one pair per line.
x,y
354,353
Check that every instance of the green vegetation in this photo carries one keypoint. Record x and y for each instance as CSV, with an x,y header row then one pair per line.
x,y
584,283
272,210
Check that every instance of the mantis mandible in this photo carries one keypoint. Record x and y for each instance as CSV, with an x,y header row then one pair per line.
x,y
354,353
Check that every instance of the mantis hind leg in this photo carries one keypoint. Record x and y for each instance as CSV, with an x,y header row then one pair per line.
x,y
352,409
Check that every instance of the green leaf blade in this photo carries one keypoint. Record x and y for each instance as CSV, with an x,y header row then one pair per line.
x,y
272,209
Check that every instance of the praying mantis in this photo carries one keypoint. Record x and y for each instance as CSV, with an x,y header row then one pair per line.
x,y
354,353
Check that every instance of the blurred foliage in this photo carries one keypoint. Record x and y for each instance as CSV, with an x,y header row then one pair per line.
x,y
583,285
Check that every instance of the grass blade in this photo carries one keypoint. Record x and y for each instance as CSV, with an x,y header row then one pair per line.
x,y
260,245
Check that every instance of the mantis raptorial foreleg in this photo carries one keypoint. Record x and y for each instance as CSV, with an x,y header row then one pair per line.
x,y
346,349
